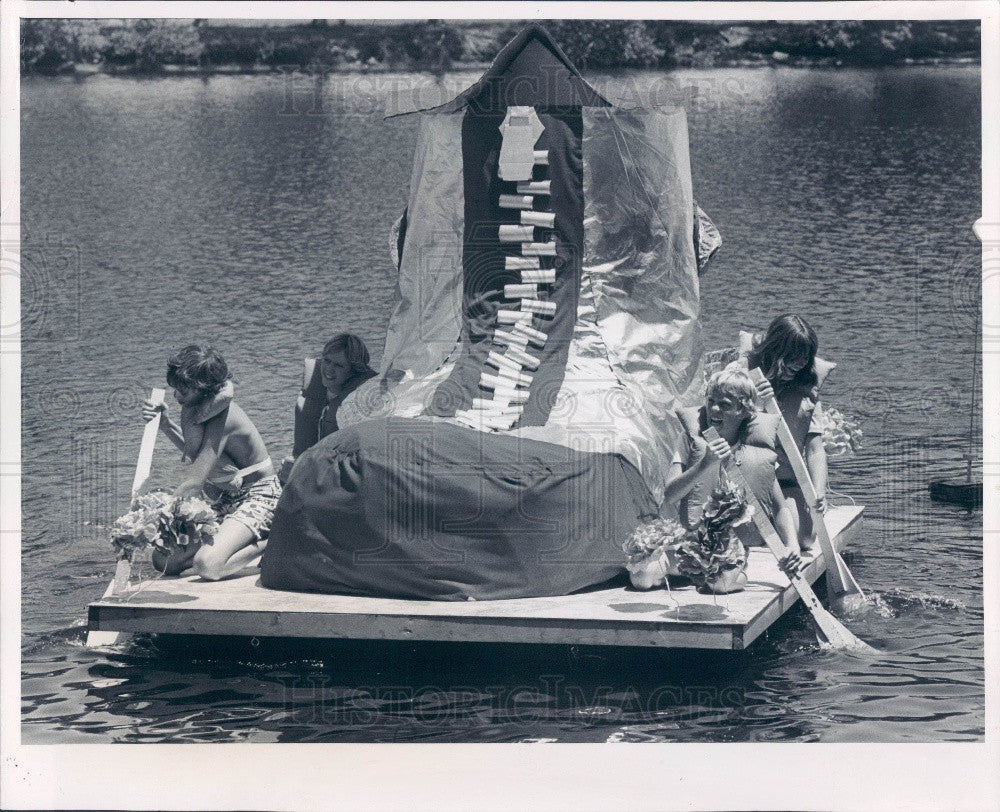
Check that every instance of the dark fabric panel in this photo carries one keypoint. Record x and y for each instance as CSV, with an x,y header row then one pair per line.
x,y
483,258
422,509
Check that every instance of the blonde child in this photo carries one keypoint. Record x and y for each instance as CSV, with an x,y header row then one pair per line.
x,y
744,434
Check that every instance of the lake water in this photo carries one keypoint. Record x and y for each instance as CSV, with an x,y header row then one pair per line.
x,y
254,214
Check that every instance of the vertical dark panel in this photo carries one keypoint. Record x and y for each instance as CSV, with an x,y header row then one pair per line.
x,y
483,256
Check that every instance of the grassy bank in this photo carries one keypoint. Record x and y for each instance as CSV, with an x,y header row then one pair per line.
x,y
165,46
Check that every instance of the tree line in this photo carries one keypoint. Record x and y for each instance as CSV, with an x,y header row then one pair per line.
x,y
153,45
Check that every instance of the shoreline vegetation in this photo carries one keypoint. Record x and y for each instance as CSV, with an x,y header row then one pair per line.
x,y
165,47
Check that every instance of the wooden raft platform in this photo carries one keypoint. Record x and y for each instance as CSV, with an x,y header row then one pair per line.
x,y
681,618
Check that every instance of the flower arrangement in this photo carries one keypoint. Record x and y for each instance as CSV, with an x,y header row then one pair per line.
x,y
648,552
159,519
841,435
712,548
705,553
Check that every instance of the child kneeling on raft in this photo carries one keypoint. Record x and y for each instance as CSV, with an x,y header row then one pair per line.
x,y
745,434
229,465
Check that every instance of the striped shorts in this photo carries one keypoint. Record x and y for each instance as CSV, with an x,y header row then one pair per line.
x,y
252,506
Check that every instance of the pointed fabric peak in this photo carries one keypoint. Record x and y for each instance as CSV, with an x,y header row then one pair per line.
x,y
530,70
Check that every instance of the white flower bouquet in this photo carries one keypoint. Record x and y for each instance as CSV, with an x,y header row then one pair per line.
x,y
159,519
842,435
648,551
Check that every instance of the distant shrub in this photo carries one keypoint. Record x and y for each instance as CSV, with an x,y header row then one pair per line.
x,y
148,45
606,43
870,42
49,46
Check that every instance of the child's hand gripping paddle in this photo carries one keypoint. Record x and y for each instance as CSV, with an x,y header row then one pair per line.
x,y
840,583
829,630
142,468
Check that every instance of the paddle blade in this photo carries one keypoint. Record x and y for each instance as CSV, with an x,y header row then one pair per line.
x,y
831,632
122,574
849,603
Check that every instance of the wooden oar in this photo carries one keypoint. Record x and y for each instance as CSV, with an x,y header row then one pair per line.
x,y
145,462
143,465
829,630
840,582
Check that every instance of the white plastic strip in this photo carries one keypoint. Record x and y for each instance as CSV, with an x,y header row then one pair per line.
x,y
538,249
512,316
515,233
495,359
522,291
545,276
512,339
523,263
547,308
522,358
511,394
542,219
541,157
514,379
536,337
534,187
516,201
495,406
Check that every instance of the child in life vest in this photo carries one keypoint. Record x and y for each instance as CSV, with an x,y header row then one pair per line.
x,y
343,366
229,464
786,354
745,434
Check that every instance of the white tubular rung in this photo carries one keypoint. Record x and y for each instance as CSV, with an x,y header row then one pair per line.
x,y
516,201
541,157
542,219
522,291
512,316
546,308
496,359
534,187
512,339
515,378
544,276
479,420
522,358
516,233
536,337
538,249
487,381
495,406
511,394
523,263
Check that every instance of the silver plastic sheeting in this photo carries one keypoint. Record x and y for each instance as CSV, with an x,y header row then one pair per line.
x,y
427,319
426,322
640,257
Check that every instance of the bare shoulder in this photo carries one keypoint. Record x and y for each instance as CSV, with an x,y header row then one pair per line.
x,y
237,422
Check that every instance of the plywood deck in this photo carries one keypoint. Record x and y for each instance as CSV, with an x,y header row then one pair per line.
x,y
681,618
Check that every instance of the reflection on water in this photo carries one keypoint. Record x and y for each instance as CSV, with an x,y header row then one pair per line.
x,y
158,211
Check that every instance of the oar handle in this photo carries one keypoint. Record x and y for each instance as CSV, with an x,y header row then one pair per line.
x,y
840,580
829,629
145,462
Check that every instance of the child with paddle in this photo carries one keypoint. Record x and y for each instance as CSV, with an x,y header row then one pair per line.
x,y
229,464
786,355
745,435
